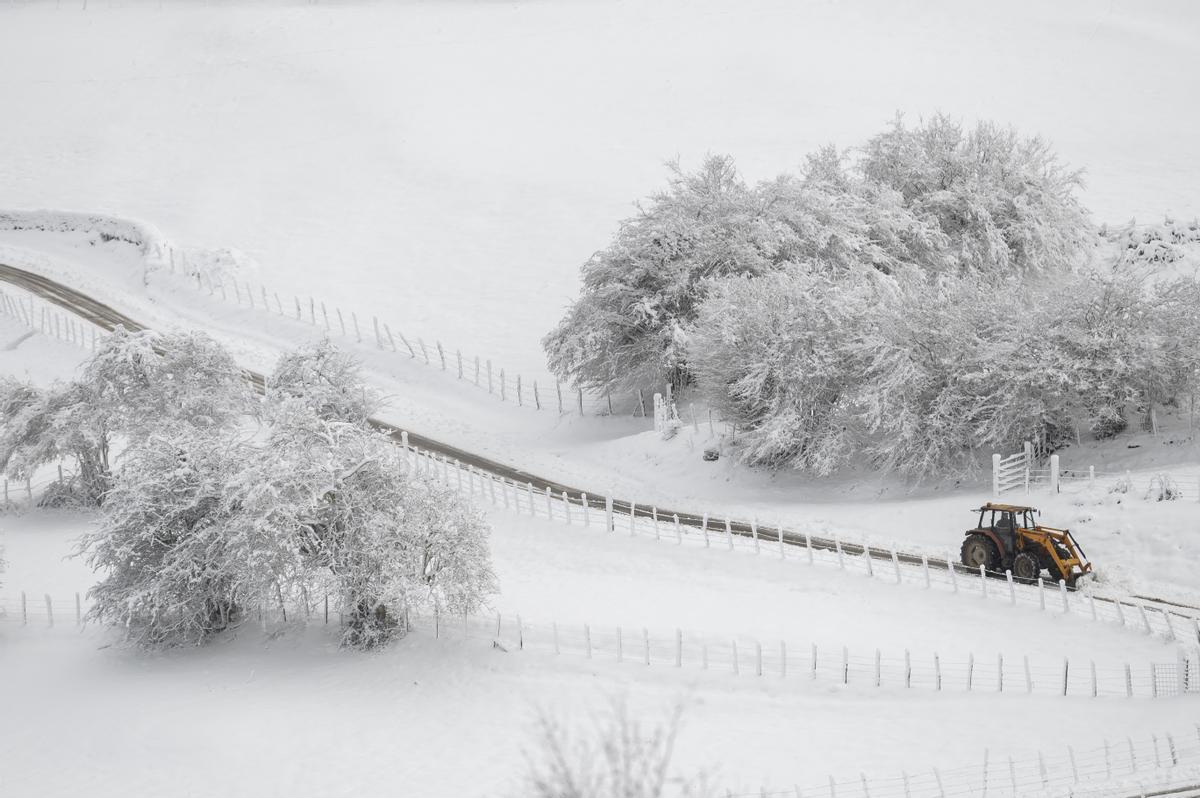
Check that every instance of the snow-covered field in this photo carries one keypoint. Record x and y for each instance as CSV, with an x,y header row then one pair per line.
x,y
255,714
446,167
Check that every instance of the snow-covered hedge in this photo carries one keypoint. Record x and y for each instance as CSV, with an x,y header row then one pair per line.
x,y
144,237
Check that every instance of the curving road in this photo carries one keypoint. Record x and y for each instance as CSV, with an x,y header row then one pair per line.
x,y
107,317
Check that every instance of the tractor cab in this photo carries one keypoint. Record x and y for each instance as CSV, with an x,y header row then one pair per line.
x,y
1008,538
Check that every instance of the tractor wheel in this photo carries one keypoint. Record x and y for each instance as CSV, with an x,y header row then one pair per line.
x,y
977,550
1026,568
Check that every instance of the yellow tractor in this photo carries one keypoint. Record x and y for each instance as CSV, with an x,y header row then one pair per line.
x,y
1008,539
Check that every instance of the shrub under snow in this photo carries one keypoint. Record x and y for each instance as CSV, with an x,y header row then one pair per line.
x,y
205,526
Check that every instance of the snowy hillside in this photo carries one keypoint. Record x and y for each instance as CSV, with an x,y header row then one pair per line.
x,y
320,522
352,150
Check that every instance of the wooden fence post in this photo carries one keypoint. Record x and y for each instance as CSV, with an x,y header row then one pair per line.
x,y
441,354
608,514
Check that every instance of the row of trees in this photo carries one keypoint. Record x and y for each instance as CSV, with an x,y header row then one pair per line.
x,y
934,295
223,501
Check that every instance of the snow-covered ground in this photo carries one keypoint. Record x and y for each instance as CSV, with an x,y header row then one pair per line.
x,y
451,717
310,149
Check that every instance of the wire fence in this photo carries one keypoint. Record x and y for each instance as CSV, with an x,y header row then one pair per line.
x,y
739,655
539,392
48,319
1137,762
1130,766
1179,624
743,654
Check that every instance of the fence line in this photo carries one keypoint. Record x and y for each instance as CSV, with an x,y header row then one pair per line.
x,y
1123,767
738,655
769,540
48,319
1160,755
481,372
765,540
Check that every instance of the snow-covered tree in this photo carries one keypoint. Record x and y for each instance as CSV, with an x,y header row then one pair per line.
x,y
174,568
326,380
134,384
62,422
143,381
776,356
1006,202
205,524
371,532
952,367
628,327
